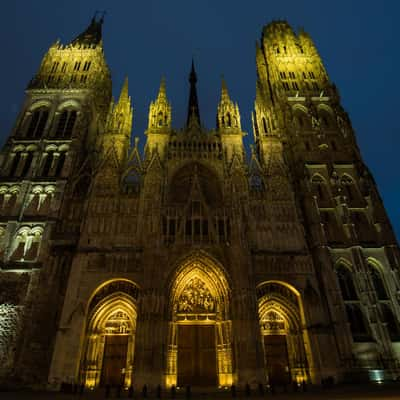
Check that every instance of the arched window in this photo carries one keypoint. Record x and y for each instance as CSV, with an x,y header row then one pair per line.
x,y
37,123
15,162
25,246
160,118
349,187
228,120
47,166
302,119
377,282
346,283
66,124
358,323
27,163
320,188
60,163
21,158
325,118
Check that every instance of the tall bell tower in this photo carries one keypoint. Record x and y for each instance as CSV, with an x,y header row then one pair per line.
x,y
65,108
347,230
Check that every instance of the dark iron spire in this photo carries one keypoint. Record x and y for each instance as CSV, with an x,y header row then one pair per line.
x,y
92,35
193,116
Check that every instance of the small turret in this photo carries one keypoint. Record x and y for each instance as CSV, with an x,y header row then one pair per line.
x,y
160,110
118,126
228,116
119,118
159,127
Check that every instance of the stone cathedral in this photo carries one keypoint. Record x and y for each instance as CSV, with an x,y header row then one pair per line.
x,y
193,262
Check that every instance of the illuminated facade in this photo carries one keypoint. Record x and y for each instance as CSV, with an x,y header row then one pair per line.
x,y
192,263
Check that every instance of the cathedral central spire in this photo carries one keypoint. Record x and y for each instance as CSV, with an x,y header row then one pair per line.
x,y
193,116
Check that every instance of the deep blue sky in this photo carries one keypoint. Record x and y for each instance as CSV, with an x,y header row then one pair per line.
x,y
358,41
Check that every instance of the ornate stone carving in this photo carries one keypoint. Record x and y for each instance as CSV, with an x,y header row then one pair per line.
x,y
196,298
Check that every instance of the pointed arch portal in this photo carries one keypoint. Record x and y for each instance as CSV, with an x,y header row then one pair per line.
x,y
110,335
283,336
199,343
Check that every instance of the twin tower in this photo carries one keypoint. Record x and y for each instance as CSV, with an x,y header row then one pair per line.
x,y
192,263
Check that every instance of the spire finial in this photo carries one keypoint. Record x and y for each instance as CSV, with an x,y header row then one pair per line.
x,y
125,90
193,106
162,92
193,76
224,89
103,14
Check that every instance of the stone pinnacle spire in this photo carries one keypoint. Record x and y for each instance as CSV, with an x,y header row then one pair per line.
x,y
124,96
193,115
162,92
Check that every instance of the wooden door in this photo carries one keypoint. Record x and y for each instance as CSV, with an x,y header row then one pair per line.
x,y
277,359
114,360
197,355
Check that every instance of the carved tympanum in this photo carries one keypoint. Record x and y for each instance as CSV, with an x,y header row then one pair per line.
x,y
195,298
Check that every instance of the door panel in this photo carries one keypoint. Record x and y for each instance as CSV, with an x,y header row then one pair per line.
x,y
196,355
115,352
277,359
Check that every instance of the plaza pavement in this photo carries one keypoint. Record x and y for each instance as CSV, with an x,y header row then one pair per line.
x,y
348,392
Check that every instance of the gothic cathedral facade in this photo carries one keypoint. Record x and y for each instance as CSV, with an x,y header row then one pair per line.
x,y
193,262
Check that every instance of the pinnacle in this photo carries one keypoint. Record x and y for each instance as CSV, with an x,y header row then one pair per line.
x,y
162,93
224,91
124,96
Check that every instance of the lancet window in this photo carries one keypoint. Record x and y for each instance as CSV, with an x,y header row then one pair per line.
x,y
37,123
377,282
355,316
53,163
26,244
20,163
39,198
8,196
320,189
66,124
346,284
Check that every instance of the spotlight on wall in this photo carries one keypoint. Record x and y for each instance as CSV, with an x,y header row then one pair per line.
x,y
376,375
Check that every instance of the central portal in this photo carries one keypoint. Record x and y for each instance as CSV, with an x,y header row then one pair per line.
x,y
199,337
196,355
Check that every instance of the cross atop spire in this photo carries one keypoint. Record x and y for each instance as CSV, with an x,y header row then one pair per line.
x,y
193,116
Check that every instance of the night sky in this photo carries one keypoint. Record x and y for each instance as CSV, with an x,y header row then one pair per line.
x,y
147,39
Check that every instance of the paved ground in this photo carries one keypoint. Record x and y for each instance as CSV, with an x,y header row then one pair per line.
x,y
349,392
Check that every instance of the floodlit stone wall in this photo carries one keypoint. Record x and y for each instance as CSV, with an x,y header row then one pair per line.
x,y
10,323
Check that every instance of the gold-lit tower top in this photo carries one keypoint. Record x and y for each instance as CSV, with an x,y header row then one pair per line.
x,y
119,118
228,116
160,110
